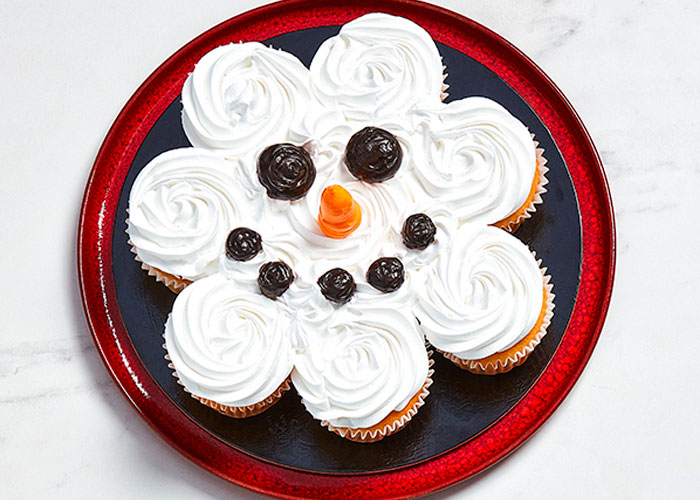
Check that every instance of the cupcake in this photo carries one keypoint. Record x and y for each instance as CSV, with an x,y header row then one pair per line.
x,y
361,368
242,97
477,159
229,347
182,206
378,66
484,302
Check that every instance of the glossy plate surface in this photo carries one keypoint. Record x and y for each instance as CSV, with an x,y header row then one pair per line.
x,y
468,422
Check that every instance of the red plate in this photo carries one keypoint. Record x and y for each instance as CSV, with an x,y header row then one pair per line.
x,y
100,216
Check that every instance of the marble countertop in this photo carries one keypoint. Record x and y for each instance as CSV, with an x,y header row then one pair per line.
x,y
625,431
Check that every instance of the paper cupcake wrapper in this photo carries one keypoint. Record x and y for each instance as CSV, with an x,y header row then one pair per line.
x,y
488,366
513,221
246,411
391,423
176,284
234,411
443,91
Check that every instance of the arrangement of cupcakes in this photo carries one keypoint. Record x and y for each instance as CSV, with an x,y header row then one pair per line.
x,y
331,226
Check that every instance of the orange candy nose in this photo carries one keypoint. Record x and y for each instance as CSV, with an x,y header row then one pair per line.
x,y
339,215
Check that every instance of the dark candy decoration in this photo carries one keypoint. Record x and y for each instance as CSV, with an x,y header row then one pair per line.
x,y
386,274
286,171
418,232
337,285
243,244
373,155
274,278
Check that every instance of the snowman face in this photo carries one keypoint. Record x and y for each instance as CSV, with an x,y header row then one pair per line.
x,y
345,231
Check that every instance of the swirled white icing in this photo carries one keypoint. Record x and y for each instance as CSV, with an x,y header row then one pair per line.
x,y
482,293
377,65
182,206
243,97
476,290
228,344
474,156
365,360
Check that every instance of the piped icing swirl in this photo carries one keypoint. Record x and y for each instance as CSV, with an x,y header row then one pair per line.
x,y
481,294
228,344
243,97
475,156
367,360
182,206
377,65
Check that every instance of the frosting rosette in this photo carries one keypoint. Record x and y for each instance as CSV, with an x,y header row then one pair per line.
x,y
482,294
182,206
475,157
243,97
377,65
228,344
366,361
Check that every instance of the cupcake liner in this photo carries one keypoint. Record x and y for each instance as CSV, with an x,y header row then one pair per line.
x,y
443,91
501,362
235,411
392,423
246,411
176,284
513,221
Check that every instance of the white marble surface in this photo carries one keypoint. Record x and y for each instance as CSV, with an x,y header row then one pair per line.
x,y
627,430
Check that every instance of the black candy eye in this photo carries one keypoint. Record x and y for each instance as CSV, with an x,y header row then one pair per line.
x,y
243,244
274,279
337,285
386,274
418,232
373,155
286,171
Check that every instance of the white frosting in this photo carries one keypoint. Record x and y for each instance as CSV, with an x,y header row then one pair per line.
x,y
182,206
365,360
228,344
476,289
475,157
482,293
241,98
377,65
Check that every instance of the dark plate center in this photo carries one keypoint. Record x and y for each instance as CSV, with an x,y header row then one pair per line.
x,y
461,405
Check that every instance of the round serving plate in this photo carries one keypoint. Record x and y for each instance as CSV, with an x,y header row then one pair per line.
x,y
469,422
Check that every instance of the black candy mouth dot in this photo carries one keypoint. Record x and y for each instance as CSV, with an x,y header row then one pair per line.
x,y
242,244
337,285
274,278
386,274
418,231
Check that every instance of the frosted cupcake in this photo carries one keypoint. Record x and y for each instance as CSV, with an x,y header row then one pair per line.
x,y
377,66
484,301
243,97
229,346
479,160
362,368
182,206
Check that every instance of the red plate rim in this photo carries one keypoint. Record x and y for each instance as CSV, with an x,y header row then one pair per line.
x,y
98,215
